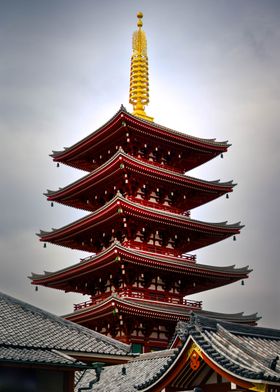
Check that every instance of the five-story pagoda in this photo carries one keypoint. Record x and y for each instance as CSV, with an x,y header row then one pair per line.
x,y
139,231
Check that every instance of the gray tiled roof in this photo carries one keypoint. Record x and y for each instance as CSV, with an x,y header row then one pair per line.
x,y
140,372
23,325
36,356
242,350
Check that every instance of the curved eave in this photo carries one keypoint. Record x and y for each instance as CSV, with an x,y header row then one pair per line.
x,y
242,376
238,318
142,308
210,145
107,258
181,362
112,166
217,353
110,210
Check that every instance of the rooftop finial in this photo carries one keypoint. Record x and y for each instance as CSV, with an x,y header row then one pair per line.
x,y
139,72
140,16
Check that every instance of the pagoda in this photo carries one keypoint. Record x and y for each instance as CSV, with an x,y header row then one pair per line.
x,y
138,229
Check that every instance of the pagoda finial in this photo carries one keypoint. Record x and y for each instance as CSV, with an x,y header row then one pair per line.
x,y
139,72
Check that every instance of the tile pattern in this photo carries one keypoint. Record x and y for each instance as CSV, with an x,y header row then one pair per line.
x,y
139,373
30,334
242,350
36,356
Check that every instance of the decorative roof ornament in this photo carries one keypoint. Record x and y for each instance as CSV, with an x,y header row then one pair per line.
x,y
139,72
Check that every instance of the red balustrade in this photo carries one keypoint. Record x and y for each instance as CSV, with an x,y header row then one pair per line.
x,y
162,166
149,248
152,249
83,305
158,206
146,295
158,249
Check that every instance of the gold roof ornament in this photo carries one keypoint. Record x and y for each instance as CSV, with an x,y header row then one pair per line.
x,y
139,72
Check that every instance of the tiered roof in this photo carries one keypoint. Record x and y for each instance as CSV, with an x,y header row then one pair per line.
x,y
151,309
139,226
108,260
110,175
86,153
112,213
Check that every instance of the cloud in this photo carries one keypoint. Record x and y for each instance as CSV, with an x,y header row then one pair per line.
x,y
214,72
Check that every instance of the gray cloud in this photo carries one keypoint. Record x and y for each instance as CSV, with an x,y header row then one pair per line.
x,y
214,72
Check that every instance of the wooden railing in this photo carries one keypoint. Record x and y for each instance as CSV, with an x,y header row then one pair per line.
x,y
158,249
159,206
152,249
83,305
146,295
189,257
162,166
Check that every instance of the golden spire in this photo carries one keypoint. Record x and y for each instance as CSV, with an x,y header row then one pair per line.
x,y
139,72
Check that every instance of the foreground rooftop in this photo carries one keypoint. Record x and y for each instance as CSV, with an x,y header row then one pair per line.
x,y
225,352
31,335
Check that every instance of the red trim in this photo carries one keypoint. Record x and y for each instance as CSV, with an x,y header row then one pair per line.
x,y
109,211
99,175
103,261
168,134
226,375
106,308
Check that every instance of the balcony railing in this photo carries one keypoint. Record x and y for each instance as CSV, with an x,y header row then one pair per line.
x,y
159,206
161,165
150,248
158,249
146,295
83,305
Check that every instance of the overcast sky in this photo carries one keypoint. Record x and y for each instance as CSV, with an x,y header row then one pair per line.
x,y
214,73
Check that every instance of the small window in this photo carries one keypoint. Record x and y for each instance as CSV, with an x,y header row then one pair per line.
x,y
137,348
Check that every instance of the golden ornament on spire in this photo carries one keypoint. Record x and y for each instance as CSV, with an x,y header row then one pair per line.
x,y
139,72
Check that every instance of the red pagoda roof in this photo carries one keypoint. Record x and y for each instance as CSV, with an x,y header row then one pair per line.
x,y
94,266
119,209
110,173
150,309
82,153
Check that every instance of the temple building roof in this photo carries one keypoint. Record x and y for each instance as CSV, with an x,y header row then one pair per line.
x,y
150,308
31,335
144,369
244,351
239,354
120,206
91,267
123,122
107,173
